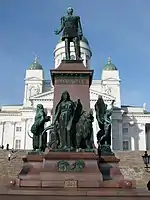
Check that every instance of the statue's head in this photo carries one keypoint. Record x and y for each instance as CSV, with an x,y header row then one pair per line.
x,y
99,97
39,107
70,11
88,114
65,96
79,101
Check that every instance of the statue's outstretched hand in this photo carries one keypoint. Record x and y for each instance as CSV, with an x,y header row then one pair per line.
x,y
56,32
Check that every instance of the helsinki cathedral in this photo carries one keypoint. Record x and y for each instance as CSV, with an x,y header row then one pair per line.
x,y
130,124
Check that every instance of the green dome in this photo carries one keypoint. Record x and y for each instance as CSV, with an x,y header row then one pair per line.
x,y
35,65
109,66
83,40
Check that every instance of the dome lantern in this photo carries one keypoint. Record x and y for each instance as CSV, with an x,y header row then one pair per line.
x,y
35,64
109,66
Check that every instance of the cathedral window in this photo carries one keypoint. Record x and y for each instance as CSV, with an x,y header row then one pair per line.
x,y
18,144
125,145
18,129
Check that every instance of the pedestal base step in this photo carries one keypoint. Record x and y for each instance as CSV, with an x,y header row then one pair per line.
x,y
75,184
70,194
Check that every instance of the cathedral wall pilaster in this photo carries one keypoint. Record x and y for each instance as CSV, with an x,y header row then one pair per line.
x,y
116,134
24,131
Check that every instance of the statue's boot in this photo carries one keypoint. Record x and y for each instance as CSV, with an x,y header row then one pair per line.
x,y
71,148
67,49
65,148
77,48
78,150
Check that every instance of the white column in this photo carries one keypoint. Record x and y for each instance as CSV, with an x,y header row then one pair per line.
x,y
120,135
132,144
95,129
142,137
14,133
48,123
113,134
24,138
3,129
117,134
1,132
148,137
132,131
111,138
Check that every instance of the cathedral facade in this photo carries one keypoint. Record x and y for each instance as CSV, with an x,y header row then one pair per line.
x,y
130,125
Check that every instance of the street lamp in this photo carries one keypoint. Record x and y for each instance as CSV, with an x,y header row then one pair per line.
x,y
146,160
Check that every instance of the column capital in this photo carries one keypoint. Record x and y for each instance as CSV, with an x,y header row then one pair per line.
x,y
2,123
13,123
24,119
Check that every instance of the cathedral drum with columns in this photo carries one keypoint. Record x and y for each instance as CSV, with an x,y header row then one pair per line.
x,y
130,124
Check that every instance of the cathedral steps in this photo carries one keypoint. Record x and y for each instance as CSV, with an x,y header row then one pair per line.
x,y
10,169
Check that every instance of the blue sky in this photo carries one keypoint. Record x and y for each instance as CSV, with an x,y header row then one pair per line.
x,y
117,28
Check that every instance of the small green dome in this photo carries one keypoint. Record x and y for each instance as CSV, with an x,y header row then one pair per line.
x,y
84,39
109,66
35,65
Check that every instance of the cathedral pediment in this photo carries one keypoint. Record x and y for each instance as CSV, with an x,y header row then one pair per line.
x,y
44,96
93,96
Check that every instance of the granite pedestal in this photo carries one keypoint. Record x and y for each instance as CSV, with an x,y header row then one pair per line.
x,y
71,175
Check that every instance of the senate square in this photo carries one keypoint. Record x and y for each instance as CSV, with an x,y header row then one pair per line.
x,y
130,124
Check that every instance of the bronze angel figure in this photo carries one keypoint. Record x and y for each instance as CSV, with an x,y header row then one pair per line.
x,y
103,116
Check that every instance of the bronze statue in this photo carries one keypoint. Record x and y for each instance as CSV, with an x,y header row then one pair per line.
x,y
39,139
107,124
64,115
84,131
72,128
72,32
100,109
103,116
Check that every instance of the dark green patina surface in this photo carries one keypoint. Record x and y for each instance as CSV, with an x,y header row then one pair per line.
x,y
65,166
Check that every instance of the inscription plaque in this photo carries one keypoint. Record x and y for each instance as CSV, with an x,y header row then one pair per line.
x,y
72,81
70,183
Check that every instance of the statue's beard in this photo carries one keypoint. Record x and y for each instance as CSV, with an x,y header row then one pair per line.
x,y
70,14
